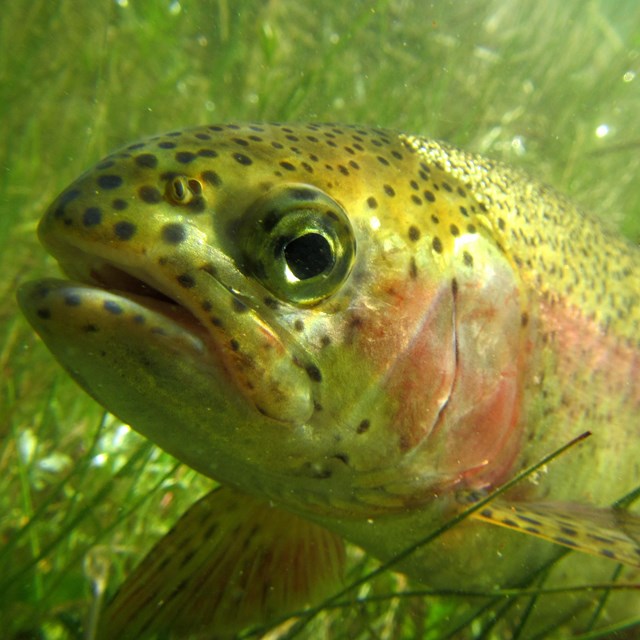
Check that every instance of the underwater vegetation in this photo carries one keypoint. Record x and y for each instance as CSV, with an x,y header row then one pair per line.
x,y
549,88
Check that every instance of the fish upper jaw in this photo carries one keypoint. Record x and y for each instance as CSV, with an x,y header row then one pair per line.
x,y
200,288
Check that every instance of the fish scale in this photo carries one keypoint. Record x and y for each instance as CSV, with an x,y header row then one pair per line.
x,y
566,256
360,329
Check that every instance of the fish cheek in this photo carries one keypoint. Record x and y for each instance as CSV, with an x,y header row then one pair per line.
x,y
408,341
452,361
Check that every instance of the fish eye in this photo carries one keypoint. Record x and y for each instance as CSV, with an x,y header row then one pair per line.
x,y
299,243
182,190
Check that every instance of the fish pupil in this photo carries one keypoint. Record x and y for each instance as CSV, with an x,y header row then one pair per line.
x,y
308,256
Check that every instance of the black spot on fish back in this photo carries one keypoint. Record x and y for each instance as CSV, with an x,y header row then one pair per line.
x,y
146,160
109,181
149,194
185,157
174,233
124,230
92,216
242,159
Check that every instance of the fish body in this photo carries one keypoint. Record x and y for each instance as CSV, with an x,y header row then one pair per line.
x,y
364,329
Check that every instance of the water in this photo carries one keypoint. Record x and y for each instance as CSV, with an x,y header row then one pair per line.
x,y
551,86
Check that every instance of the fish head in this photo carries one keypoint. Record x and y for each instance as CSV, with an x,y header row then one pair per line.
x,y
312,313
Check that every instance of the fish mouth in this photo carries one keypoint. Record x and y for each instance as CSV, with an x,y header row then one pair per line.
x,y
113,278
144,290
212,310
123,279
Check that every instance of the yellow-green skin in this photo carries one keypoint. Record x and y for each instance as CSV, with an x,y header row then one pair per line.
x,y
476,322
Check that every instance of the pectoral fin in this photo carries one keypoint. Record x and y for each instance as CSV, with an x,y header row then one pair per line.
x,y
607,532
231,561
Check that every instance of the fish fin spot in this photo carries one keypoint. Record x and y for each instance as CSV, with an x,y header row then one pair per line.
x,y
606,532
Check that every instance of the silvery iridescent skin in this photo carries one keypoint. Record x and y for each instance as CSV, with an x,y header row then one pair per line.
x,y
357,325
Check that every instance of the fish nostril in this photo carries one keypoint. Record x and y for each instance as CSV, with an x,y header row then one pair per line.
x,y
195,186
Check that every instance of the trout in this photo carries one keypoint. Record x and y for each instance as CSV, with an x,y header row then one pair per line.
x,y
359,334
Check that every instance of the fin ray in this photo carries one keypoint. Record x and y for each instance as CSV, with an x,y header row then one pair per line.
x,y
606,532
229,562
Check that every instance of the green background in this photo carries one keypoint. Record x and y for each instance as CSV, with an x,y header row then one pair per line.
x,y
551,86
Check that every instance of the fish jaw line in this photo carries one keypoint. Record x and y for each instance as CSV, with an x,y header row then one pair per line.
x,y
262,368
125,280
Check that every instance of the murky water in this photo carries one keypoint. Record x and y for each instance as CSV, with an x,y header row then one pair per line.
x,y
549,86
